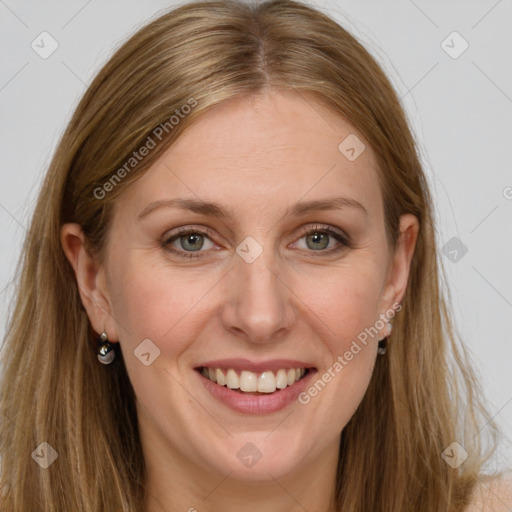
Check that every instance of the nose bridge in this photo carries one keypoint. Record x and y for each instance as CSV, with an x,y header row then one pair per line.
x,y
259,302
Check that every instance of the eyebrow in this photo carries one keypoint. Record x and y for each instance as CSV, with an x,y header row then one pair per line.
x,y
216,210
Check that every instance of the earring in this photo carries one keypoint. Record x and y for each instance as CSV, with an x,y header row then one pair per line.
x,y
384,341
106,351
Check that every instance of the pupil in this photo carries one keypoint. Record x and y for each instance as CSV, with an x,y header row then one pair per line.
x,y
192,239
316,239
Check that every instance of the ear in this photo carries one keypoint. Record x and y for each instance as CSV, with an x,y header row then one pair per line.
x,y
398,271
90,278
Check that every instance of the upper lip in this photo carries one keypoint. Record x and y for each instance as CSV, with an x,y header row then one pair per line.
x,y
255,366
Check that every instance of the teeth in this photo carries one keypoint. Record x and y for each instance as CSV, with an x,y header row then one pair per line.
x,y
248,381
219,377
264,382
267,382
281,379
232,380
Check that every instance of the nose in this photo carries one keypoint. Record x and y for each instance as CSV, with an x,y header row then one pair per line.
x,y
259,305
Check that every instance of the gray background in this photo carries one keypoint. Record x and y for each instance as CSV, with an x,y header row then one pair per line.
x,y
460,107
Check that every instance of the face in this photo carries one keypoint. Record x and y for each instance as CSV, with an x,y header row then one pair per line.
x,y
275,287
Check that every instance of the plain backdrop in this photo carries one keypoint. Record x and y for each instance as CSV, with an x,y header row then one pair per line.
x,y
449,60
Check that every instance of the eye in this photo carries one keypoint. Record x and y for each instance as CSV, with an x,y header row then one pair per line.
x,y
319,239
188,241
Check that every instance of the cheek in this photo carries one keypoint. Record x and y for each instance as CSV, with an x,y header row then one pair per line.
x,y
345,302
158,302
349,308
345,306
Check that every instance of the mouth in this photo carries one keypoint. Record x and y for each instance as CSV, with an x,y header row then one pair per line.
x,y
254,383
255,388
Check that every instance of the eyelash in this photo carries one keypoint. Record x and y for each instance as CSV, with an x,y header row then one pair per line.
x,y
343,240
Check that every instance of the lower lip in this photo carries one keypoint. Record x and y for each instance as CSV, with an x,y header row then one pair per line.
x,y
258,404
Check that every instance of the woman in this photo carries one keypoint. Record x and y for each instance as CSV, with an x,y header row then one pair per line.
x,y
229,296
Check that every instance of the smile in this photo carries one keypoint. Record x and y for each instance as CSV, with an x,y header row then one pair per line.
x,y
252,387
251,382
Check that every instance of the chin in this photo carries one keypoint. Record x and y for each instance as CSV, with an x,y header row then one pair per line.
x,y
258,460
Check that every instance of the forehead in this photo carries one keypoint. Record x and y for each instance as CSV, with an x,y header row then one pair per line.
x,y
271,150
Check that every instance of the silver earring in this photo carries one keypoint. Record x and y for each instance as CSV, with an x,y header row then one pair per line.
x,y
384,341
106,352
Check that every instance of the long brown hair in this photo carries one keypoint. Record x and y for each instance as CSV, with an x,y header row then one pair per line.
x,y
423,395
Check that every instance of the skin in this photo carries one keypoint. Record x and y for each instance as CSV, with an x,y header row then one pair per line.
x,y
256,157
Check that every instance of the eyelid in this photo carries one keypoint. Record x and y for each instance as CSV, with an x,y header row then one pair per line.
x,y
326,228
185,230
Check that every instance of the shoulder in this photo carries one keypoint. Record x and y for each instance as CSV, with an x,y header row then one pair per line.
x,y
492,494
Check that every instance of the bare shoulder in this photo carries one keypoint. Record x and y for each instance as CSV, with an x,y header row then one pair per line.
x,y
492,495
